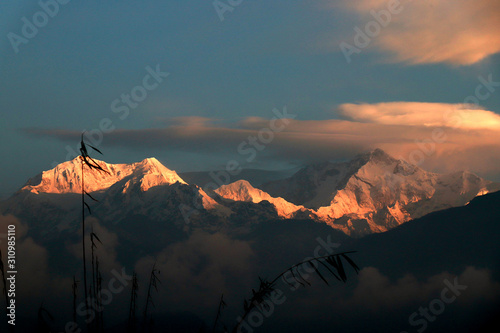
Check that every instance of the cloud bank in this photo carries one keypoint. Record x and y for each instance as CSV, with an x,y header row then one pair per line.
x,y
376,292
444,137
422,114
200,268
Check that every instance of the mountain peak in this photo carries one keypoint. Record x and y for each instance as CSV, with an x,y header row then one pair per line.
x,y
241,184
376,156
152,165
151,161
151,172
242,190
67,176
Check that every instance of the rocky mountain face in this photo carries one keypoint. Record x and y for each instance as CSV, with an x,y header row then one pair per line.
x,y
372,193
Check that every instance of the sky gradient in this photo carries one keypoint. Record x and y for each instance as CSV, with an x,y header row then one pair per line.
x,y
403,86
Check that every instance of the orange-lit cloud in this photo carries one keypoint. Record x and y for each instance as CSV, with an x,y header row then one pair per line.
x,y
422,114
460,32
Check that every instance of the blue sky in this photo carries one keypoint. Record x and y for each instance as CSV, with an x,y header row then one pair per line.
x,y
263,55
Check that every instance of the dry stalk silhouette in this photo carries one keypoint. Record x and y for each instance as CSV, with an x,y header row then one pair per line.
x,y
96,288
74,288
131,327
100,314
153,280
222,305
92,165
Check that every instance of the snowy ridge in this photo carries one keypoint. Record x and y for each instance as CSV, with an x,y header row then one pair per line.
x,y
67,177
241,190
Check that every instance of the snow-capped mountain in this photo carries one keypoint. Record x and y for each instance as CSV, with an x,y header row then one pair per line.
x,y
146,189
67,177
372,193
375,192
241,190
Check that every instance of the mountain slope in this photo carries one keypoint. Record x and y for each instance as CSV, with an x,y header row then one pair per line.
x,y
448,239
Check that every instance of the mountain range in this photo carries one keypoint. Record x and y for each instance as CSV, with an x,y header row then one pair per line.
x,y
372,193
146,210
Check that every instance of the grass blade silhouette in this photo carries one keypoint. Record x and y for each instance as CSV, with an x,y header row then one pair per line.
x,y
266,288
